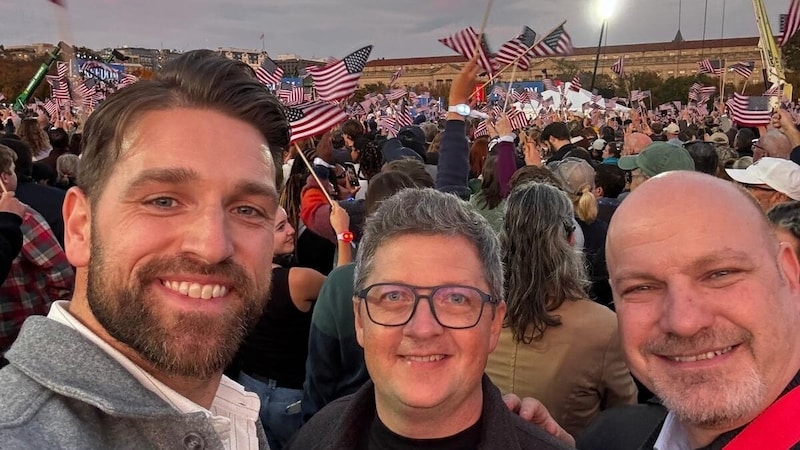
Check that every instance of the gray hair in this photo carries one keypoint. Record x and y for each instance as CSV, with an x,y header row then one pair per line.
x,y
787,216
543,269
429,212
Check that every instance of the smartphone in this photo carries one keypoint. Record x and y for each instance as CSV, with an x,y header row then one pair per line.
x,y
352,176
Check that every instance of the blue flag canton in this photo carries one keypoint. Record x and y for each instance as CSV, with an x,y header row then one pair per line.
x,y
356,61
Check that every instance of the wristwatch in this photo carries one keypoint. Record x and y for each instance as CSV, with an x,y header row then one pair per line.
x,y
346,237
461,109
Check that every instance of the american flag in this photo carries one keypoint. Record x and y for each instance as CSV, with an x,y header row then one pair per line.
x,y
745,69
518,119
404,118
51,108
87,90
63,69
611,104
753,111
548,84
576,83
340,79
481,129
296,96
520,96
533,94
269,73
792,22
665,107
596,98
517,49
635,96
395,75
389,124
619,67
126,80
396,94
499,91
313,118
556,43
710,67
58,87
774,91
463,42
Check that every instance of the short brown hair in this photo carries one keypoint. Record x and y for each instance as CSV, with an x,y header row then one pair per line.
x,y
7,158
199,78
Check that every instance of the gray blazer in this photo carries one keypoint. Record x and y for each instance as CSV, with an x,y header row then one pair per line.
x,y
60,391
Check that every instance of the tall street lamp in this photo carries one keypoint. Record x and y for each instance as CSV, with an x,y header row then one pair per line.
x,y
605,10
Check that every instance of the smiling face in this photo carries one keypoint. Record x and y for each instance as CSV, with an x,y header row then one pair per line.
x,y
422,368
284,234
708,313
179,246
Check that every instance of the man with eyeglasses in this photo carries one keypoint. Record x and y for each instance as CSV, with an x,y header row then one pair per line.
x,y
428,311
770,181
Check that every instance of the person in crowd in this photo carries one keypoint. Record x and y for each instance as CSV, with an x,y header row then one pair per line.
x,y
557,345
655,159
704,155
341,154
351,129
46,200
743,142
432,156
773,144
556,136
577,178
785,219
426,359
67,169
708,320
11,213
609,181
634,143
173,253
413,168
335,365
672,133
611,153
35,138
478,153
489,201
272,358
770,181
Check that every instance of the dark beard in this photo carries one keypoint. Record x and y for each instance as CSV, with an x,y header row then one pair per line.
x,y
186,344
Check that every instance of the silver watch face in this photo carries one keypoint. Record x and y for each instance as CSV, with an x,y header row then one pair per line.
x,y
463,109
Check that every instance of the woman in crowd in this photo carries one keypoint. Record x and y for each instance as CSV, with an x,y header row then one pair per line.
x,y
30,133
67,168
488,201
272,359
557,346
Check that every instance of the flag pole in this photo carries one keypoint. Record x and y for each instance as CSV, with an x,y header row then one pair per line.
x,y
510,83
3,186
514,62
313,174
479,36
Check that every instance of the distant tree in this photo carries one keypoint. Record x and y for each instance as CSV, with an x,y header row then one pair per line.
x,y
791,53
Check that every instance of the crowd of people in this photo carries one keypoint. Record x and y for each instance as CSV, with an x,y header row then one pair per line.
x,y
627,282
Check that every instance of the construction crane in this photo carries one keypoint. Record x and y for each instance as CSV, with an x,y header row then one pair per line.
x,y
770,52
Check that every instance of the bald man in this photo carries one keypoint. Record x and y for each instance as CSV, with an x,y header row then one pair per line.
x,y
772,144
634,143
709,320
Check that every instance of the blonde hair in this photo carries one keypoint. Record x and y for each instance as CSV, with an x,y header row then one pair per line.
x,y
577,177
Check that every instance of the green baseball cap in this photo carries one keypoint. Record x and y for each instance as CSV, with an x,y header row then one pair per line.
x,y
658,157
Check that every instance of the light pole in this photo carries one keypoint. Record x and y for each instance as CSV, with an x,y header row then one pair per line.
x,y
605,10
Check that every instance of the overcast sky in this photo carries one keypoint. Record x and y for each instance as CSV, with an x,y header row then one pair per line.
x,y
397,28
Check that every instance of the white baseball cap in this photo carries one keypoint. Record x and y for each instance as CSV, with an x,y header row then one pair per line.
x,y
783,175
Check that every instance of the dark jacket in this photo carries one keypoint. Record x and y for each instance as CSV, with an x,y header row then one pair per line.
x,y
10,241
571,150
47,201
343,423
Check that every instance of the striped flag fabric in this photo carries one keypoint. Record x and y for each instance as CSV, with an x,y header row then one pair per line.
x,y
576,83
463,43
619,67
558,42
548,84
51,108
313,118
340,79
126,80
63,69
518,119
396,94
520,96
792,22
636,96
58,87
389,124
481,129
403,117
774,91
745,69
396,74
611,104
750,111
596,98
269,73
499,91
516,50
710,67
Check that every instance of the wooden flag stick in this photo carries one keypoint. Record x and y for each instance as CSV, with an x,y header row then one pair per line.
x,y
479,37
314,174
3,185
510,83
514,62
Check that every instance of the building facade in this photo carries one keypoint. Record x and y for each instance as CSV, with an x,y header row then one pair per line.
x,y
667,59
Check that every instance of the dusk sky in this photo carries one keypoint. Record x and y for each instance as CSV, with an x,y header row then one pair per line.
x,y
397,28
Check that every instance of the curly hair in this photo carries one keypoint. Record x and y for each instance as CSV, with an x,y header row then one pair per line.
x,y
543,270
30,133
370,157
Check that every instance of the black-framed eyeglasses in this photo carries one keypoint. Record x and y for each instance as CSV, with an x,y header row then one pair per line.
x,y
453,306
